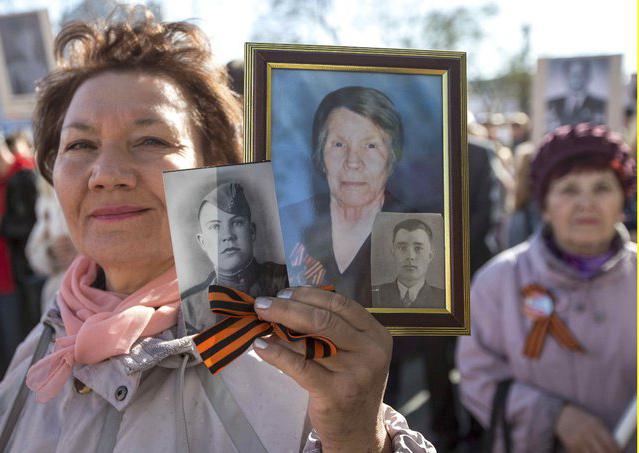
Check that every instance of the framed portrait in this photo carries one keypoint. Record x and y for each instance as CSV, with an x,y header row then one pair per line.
x,y
225,230
407,262
26,51
576,90
354,133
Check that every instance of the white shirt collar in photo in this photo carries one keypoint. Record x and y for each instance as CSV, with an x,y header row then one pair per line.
x,y
413,291
575,101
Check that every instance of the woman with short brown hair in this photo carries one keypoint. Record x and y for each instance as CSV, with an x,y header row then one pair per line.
x,y
111,366
179,51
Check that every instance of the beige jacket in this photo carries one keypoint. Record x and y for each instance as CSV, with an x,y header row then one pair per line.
x,y
161,411
163,395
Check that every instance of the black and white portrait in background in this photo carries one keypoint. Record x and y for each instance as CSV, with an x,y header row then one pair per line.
x,y
575,90
584,94
407,262
346,146
23,47
225,231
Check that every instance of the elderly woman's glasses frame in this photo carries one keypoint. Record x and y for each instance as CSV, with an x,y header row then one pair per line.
x,y
409,155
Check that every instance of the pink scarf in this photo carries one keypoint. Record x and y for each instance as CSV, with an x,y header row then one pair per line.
x,y
101,324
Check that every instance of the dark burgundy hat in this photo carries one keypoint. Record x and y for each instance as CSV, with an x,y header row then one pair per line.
x,y
579,144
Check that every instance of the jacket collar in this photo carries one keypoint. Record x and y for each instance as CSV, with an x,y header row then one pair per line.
x,y
552,268
109,376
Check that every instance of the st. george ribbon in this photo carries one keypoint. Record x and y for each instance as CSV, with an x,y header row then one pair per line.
x,y
228,339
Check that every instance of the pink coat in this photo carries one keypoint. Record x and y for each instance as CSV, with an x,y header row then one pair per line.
x,y
600,312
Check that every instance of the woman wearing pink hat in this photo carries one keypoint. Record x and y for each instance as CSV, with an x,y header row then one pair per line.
x,y
552,354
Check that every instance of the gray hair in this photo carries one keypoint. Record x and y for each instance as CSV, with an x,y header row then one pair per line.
x,y
368,102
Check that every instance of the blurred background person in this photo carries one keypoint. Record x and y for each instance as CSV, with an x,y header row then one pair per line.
x,y
49,248
14,160
523,218
519,130
16,226
553,339
486,194
502,163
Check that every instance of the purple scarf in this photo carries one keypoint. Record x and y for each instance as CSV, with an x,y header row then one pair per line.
x,y
587,266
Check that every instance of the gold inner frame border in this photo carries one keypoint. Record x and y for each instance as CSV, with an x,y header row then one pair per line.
x,y
445,142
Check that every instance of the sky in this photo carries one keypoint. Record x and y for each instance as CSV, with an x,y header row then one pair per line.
x,y
558,27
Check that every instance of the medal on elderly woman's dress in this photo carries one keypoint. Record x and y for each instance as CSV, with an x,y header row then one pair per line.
x,y
306,268
539,307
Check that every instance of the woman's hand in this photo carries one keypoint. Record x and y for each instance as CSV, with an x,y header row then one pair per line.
x,y
580,431
345,390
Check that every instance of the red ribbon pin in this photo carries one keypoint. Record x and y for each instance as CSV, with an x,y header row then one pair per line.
x,y
539,306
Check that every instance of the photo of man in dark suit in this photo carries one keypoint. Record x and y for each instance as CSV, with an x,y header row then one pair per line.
x,y
578,104
412,252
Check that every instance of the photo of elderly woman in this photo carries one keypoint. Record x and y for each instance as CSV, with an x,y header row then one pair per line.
x,y
346,146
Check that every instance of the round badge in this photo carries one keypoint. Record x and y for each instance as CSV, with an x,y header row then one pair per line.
x,y
538,302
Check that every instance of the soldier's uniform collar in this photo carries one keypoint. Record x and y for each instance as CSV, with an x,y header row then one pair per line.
x,y
242,279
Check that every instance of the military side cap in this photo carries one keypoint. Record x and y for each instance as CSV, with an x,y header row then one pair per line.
x,y
230,198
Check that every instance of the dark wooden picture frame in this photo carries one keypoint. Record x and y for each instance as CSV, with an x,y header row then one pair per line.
x,y
399,70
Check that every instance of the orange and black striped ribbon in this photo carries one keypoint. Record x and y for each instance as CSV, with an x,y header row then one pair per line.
x,y
228,339
314,271
540,329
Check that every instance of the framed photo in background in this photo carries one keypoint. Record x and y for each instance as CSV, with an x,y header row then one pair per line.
x,y
575,90
354,134
26,53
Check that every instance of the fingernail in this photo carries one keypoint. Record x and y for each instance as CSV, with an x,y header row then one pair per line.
x,y
285,293
260,344
263,303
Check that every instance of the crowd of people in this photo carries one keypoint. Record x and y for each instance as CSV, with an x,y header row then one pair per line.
x,y
35,248
550,364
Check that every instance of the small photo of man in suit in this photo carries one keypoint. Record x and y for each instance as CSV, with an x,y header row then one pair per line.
x,y
412,253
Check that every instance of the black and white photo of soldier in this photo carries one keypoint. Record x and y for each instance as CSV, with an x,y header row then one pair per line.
x,y
227,234
578,101
225,231
24,51
413,248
